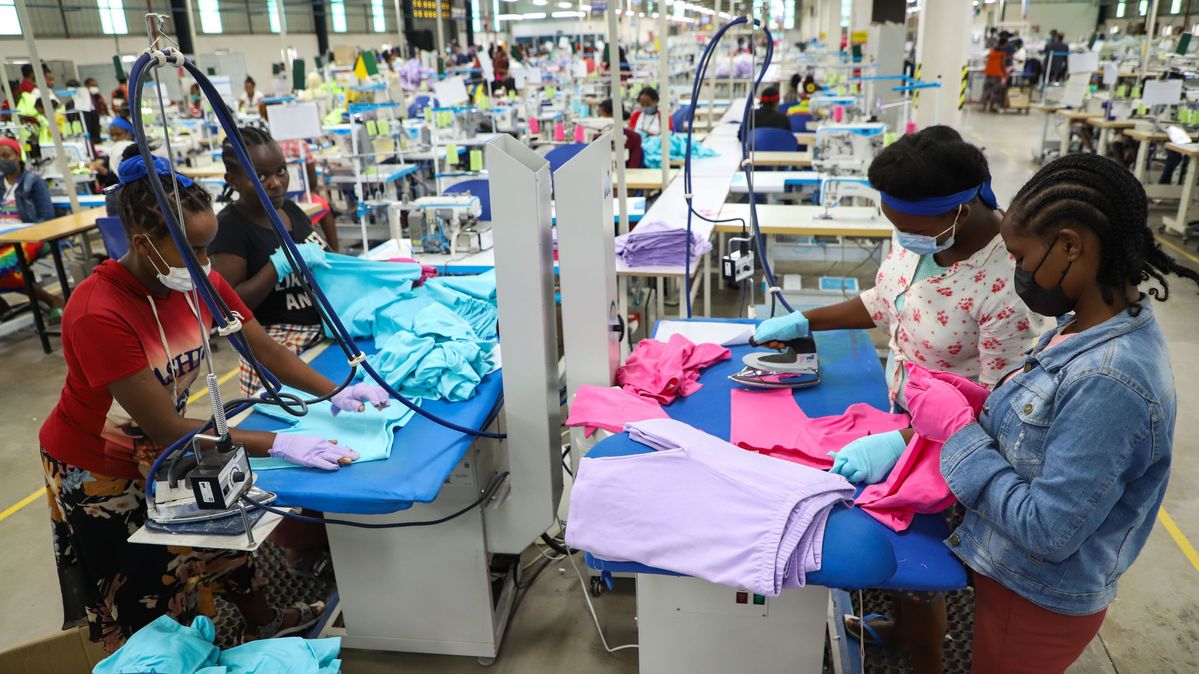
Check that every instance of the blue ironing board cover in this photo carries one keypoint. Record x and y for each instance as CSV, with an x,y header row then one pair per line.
x,y
423,457
859,552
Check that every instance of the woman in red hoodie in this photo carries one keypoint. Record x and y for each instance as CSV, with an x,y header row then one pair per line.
x,y
133,346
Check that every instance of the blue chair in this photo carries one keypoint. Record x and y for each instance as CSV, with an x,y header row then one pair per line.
x,y
417,107
678,120
799,121
773,140
116,242
562,154
478,188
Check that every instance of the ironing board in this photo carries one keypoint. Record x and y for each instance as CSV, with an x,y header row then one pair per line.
x,y
423,457
859,552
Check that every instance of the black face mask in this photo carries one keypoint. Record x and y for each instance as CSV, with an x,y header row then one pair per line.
x,y
1050,302
9,167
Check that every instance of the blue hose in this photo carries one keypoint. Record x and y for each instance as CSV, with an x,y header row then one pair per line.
x,y
746,167
221,313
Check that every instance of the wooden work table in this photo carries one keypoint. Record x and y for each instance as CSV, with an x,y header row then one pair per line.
x,y
51,232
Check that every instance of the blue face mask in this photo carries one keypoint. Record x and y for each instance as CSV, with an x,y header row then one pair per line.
x,y
923,244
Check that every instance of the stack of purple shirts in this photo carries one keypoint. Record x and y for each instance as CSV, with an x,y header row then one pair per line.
x,y
657,243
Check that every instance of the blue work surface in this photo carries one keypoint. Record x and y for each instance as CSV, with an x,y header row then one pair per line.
x,y
423,456
859,552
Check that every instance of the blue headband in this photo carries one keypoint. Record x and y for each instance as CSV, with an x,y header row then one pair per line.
x,y
134,168
120,123
944,204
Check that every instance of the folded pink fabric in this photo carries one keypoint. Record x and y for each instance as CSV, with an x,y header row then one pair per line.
x,y
915,485
610,408
664,371
770,422
426,272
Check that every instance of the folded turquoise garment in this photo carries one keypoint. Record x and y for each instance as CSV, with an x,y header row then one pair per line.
x,y
480,314
424,364
165,647
289,655
651,149
480,286
370,432
356,286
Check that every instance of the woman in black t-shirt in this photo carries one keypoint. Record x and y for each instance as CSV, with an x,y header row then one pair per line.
x,y
245,242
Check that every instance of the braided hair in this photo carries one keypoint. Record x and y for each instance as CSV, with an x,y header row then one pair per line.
x,y
932,162
1103,196
251,136
138,208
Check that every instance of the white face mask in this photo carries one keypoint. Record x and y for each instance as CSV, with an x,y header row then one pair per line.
x,y
175,278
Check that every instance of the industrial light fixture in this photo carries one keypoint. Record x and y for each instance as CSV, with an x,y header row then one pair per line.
x,y
567,15
541,3
533,15
508,17
565,5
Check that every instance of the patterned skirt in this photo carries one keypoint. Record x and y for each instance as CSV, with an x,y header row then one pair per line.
x,y
11,278
296,338
124,586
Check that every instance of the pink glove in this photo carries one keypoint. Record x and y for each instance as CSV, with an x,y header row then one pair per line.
x,y
311,451
351,398
937,407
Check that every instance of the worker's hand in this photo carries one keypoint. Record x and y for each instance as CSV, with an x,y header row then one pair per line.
x,y
312,254
354,398
782,328
311,451
940,408
869,459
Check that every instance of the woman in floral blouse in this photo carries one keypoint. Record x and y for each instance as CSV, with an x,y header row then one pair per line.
x,y
945,297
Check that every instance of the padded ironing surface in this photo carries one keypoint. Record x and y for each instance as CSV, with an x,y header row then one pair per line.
x,y
422,458
859,552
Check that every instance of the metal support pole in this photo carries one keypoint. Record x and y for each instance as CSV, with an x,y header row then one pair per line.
x,y
664,99
440,40
191,28
617,116
60,158
1150,29
283,42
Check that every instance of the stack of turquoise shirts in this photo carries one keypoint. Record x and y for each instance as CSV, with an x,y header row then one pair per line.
x,y
434,341
370,432
166,647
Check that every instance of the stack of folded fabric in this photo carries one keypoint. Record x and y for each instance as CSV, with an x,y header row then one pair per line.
x,y
700,506
657,243
166,647
434,340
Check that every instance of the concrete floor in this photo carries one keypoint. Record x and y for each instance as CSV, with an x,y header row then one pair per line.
x,y
1150,628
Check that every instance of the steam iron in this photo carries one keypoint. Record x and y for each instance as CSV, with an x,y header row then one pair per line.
x,y
793,367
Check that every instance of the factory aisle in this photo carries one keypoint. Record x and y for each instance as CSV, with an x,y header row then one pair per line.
x,y
1150,628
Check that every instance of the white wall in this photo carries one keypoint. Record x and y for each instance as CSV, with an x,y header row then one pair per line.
x,y
1075,19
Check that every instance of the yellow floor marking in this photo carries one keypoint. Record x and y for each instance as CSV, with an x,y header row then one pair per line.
x,y
1180,539
12,510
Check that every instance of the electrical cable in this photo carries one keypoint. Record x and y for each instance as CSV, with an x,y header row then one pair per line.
x,y
746,165
486,495
591,608
228,322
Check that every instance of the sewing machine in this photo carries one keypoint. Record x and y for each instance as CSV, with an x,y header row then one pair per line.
x,y
835,188
847,148
448,224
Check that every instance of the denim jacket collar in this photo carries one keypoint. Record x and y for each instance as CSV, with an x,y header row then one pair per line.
x,y
25,183
1122,323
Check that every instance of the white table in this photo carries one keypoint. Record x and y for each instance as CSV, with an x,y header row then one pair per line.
x,y
774,182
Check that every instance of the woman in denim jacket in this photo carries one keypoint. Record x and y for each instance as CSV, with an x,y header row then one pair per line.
x,y
1063,472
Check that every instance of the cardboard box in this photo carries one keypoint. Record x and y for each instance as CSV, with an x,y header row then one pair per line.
x,y
345,55
67,652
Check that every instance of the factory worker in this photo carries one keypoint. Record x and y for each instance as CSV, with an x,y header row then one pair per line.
x,y
246,249
945,297
1062,474
133,347
645,119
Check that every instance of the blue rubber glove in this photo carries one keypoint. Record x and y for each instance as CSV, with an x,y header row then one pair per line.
x,y
870,458
311,451
354,398
782,328
312,254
